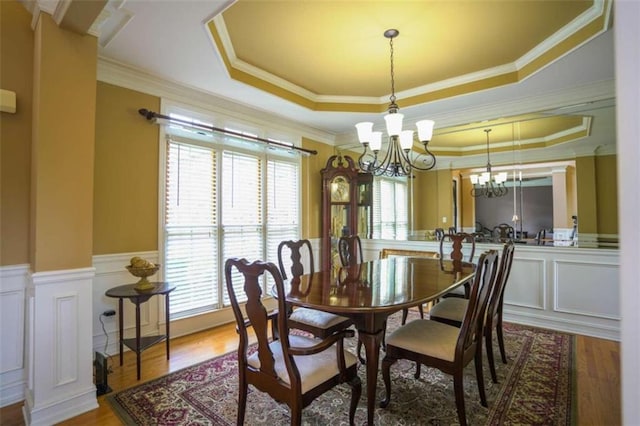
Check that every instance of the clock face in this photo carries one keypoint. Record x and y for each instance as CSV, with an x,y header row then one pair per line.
x,y
340,191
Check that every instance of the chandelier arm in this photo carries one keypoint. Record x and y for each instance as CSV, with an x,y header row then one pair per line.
x,y
381,168
429,160
361,163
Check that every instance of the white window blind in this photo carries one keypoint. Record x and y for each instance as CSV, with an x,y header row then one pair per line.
x,y
283,209
242,232
390,212
221,202
191,242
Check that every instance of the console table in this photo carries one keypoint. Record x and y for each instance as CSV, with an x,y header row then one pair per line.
x,y
137,298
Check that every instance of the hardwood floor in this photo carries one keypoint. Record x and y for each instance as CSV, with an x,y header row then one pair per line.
x,y
597,367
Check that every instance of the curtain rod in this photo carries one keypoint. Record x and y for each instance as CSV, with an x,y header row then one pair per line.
x,y
150,115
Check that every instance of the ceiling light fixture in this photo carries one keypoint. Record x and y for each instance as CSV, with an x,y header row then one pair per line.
x,y
488,184
399,159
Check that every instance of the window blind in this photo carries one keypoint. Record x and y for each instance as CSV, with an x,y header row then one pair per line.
x,y
242,233
191,242
390,211
222,202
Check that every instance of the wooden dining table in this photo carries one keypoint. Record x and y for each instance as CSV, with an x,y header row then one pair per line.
x,y
371,291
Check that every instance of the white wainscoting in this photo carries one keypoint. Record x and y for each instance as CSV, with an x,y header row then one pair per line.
x,y
13,284
58,346
569,289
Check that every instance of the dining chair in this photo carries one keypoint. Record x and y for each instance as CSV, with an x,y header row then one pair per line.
x,y
292,369
321,324
445,347
451,248
350,250
388,252
451,311
503,232
439,234
541,237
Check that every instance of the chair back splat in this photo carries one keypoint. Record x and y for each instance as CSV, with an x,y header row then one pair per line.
x,y
320,324
297,249
350,250
292,369
473,322
451,246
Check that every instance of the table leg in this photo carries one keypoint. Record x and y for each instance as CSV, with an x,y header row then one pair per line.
x,y
120,327
372,343
166,319
138,337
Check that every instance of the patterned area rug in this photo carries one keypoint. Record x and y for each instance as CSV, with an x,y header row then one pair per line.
x,y
535,388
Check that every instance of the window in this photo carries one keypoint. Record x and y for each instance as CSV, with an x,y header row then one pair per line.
x,y
390,210
222,200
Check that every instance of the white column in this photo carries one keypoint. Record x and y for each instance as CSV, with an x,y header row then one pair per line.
x,y
627,49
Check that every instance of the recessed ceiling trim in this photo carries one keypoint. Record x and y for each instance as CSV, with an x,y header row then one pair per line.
x,y
586,26
586,18
577,39
563,136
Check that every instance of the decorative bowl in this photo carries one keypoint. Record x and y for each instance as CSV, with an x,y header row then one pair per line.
x,y
143,273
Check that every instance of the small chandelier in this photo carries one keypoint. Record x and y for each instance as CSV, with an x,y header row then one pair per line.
x,y
488,184
399,159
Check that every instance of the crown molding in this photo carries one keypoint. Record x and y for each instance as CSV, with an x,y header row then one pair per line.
x,y
122,75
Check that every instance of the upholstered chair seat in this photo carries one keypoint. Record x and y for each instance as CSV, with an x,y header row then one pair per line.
x,y
315,318
450,310
426,337
314,369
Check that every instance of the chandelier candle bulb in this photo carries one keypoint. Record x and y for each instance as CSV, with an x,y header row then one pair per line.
x,y
394,123
425,130
376,141
406,139
364,131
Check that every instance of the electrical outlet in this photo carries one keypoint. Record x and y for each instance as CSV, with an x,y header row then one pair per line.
x,y
109,313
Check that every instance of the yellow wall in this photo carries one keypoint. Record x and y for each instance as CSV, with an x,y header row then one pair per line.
x,y
63,139
586,190
16,70
606,194
126,172
432,199
311,191
467,206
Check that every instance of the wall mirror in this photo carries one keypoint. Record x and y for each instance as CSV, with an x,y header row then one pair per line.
x,y
547,152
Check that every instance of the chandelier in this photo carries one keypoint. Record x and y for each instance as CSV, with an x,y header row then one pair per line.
x,y
399,159
488,184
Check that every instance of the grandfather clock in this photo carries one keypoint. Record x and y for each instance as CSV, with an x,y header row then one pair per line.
x,y
346,205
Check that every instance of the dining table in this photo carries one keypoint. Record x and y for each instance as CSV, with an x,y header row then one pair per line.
x,y
371,291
